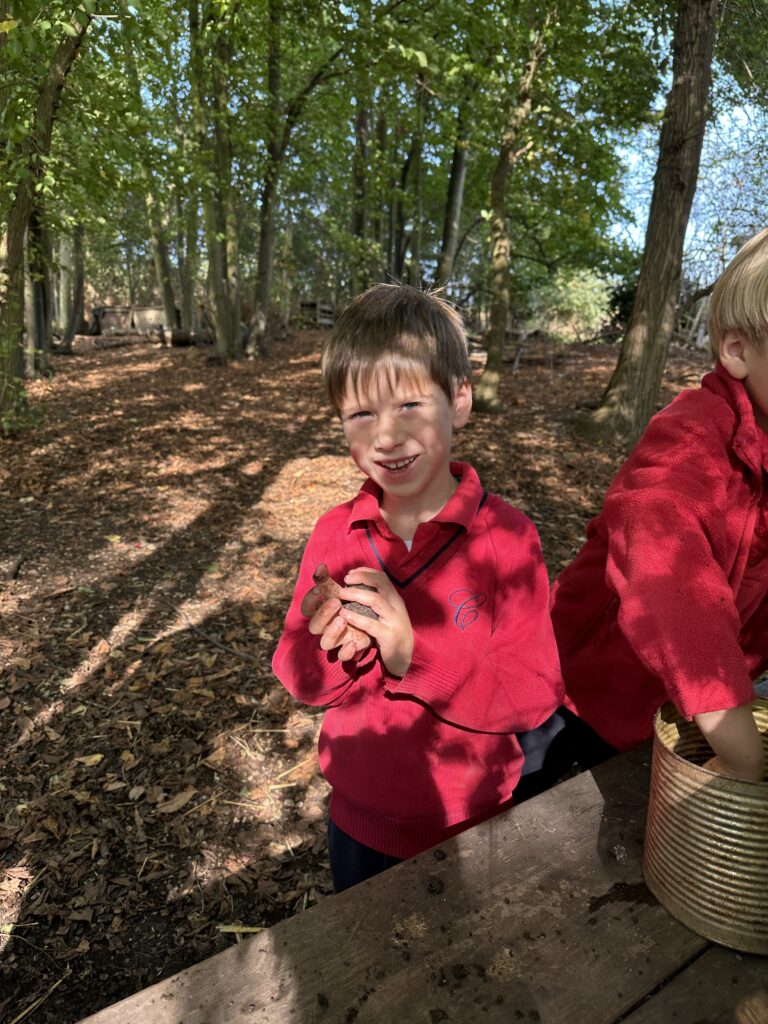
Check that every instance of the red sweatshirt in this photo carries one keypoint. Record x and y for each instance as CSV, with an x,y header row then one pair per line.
x,y
414,760
667,598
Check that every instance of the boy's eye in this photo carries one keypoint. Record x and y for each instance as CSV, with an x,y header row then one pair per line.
x,y
359,415
411,405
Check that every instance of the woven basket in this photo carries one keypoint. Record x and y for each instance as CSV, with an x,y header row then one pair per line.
x,y
706,844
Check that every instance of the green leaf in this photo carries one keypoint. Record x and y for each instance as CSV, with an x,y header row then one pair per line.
x,y
8,26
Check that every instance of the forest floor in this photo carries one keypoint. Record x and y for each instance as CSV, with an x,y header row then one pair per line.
x,y
159,788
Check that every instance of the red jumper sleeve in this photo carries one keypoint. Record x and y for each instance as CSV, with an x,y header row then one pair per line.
x,y
309,673
511,683
669,543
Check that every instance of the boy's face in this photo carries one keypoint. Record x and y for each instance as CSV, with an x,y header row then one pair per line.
x,y
399,434
747,362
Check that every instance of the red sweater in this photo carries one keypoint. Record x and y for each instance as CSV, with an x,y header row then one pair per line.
x,y
412,761
667,598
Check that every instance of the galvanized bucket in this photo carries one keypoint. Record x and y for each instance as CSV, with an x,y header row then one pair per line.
x,y
706,843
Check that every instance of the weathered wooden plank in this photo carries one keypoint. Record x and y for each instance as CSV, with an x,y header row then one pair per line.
x,y
538,915
719,987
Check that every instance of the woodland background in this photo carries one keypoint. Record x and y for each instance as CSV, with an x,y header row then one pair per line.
x,y
573,175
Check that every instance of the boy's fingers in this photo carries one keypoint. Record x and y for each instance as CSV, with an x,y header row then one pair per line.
x,y
372,577
370,598
311,601
353,642
323,616
370,626
332,634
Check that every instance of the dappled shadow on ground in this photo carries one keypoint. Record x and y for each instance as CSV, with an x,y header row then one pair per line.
x,y
159,788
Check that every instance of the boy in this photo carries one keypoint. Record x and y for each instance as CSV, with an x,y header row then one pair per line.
x,y
668,598
425,698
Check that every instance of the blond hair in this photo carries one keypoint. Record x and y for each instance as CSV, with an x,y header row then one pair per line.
x,y
739,300
408,332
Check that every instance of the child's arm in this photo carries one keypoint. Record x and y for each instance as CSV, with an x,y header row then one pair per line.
x,y
667,516
735,739
313,675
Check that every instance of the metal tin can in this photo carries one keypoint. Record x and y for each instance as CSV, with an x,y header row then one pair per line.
x,y
706,842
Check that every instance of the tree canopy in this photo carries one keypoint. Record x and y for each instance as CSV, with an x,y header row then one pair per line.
x,y
225,159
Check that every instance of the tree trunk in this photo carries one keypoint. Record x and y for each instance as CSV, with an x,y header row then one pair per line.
x,y
187,248
360,277
78,291
453,204
631,396
157,232
379,257
258,327
400,241
414,270
486,397
33,149
29,330
40,313
160,255
225,305
63,281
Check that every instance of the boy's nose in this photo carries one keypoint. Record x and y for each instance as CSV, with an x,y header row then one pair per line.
x,y
387,433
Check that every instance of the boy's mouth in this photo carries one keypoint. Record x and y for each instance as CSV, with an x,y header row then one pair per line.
x,y
400,464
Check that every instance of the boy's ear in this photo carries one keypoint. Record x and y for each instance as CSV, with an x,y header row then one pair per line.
x,y
733,353
462,404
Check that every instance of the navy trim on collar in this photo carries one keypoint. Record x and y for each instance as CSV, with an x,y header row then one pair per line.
x,y
402,584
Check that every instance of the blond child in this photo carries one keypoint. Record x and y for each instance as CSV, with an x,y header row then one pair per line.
x,y
668,598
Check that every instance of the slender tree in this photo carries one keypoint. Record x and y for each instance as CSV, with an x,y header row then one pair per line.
x,y
28,162
510,151
630,399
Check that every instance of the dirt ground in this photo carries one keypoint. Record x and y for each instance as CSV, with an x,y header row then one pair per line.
x,y
159,789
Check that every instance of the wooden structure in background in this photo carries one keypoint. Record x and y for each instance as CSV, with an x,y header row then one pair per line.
x,y
313,313
129,319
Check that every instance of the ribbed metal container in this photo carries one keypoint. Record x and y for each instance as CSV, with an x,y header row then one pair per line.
x,y
706,843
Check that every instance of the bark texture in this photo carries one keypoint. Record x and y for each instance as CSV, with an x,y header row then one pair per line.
x,y
631,396
34,149
453,204
487,392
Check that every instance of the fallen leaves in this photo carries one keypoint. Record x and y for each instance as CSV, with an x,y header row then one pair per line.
x,y
166,800
176,802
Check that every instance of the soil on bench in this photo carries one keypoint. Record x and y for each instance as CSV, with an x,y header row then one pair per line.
x,y
160,789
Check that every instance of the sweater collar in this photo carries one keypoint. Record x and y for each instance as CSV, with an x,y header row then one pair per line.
x,y
460,509
748,440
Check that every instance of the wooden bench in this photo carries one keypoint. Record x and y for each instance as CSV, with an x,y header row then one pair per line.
x,y
539,915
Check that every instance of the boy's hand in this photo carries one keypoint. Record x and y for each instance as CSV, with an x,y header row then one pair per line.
x,y
321,605
736,742
391,629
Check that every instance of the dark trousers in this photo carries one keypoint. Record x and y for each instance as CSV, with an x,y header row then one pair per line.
x,y
558,749
352,862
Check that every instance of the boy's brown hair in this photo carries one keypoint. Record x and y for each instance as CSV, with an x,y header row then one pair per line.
x,y
414,333
739,300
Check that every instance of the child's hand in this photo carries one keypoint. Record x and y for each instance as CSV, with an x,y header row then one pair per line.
x,y
391,629
735,741
321,605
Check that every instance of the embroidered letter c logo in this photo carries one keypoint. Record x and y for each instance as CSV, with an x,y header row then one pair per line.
x,y
466,605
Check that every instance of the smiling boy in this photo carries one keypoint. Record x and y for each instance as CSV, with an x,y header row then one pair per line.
x,y
456,655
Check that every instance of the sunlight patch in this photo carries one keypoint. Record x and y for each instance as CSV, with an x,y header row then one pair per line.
x,y
304,486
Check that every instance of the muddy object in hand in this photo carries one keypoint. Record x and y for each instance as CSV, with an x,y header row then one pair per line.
x,y
329,588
